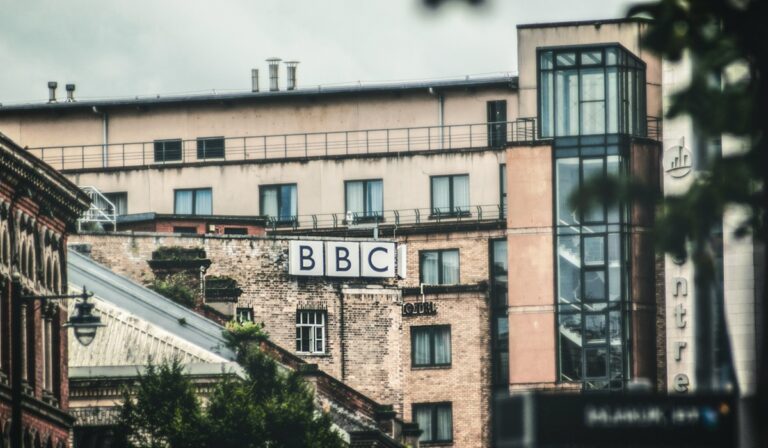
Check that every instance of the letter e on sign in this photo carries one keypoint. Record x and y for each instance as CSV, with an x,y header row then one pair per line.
x,y
377,259
305,258
342,259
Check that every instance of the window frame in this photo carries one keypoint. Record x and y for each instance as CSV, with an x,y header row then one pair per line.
x,y
201,151
243,310
365,217
433,407
440,273
451,197
293,218
164,151
497,130
313,337
194,200
432,331
110,195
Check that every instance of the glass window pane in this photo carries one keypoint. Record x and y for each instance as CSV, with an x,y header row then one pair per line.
x,y
594,285
269,201
460,193
597,362
591,169
569,329
183,202
423,416
567,102
203,202
591,57
375,198
593,118
594,251
613,100
546,88
546,60
287,202
355,197
569,273
450,267
442,345
592,84
612,169
428,265
441,194
420,347
444,423
595,328
614,267
567,173
610,56
502,329
565,59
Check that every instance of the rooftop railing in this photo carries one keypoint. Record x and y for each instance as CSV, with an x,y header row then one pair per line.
x,y
389,218
285,146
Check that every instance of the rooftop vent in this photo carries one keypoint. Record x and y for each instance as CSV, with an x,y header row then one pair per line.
x,y
70,93
274,65
52,91
255,80
291,65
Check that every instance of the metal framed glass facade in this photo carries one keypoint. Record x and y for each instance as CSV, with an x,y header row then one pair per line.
x,y
591,100
591,90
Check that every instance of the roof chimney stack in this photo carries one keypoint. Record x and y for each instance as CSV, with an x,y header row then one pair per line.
x,y
52,91
254,80
274,65
70,93
291,74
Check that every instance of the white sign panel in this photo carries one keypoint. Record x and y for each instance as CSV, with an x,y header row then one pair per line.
x,y
342,259
402,260
377,259
305,258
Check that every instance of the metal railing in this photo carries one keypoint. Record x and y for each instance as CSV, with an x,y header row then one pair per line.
x,y
296,145
101,210
389,218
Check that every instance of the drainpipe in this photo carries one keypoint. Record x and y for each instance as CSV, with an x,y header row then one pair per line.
x,y
342,345
104,135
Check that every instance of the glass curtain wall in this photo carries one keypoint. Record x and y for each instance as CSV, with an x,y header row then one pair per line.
x,y
591,100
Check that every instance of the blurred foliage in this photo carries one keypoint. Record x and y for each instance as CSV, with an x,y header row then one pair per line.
x,y
177,288
270,407
178,253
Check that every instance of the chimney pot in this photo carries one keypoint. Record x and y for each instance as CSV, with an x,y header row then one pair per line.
x,y
274,65
254,80
70,93
52,91
291,66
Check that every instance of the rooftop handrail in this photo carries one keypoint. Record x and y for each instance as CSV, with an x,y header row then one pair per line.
x,y
291,145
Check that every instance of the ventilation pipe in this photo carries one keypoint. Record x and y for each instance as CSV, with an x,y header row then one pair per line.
x,y
52,91
70,93
274,65
255,80
291,67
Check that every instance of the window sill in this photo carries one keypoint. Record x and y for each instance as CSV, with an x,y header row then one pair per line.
x,y
312,355
432,367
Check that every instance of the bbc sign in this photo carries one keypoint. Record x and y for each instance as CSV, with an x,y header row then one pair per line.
x,y
346,259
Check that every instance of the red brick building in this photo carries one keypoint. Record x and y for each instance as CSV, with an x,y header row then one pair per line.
x,y
38,208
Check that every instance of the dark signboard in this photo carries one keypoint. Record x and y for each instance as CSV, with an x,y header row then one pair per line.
x,y
419,309
540,420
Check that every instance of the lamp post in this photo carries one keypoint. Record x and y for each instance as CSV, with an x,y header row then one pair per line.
x,y
83,322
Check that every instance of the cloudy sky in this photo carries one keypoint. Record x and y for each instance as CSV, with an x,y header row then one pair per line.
x,y
118,48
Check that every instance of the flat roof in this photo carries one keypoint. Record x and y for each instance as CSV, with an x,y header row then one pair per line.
x,y
595,22
508,81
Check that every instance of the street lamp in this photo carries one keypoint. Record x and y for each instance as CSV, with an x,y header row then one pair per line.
x,y
84,323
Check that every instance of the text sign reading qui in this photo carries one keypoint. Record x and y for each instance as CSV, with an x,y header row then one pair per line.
x,y
345,259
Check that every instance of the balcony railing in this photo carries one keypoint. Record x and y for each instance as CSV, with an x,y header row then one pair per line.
x,y
297,145
389,218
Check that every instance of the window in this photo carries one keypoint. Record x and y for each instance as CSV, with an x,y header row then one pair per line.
x,y
591,91
364,198
503,189
197,201
184,229
431,346
119,201
497,123
310,331
278,202
168,150
244,315
450,194
435,420
235,231
439,267
210,148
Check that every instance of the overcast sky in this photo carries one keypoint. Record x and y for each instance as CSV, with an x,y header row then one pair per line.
x,y
147,47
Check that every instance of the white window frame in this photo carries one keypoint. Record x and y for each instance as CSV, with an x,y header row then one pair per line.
x,y
315,320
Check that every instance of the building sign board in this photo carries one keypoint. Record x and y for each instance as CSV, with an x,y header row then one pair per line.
x,y
345,259
419,309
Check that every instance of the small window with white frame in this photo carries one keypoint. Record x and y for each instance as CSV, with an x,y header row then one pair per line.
x,y
310,331
244,315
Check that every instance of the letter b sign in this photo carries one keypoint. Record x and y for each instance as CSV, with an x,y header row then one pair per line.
x,y
342,259
306,258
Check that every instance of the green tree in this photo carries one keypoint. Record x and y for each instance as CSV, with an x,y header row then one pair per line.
x,y
271,407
